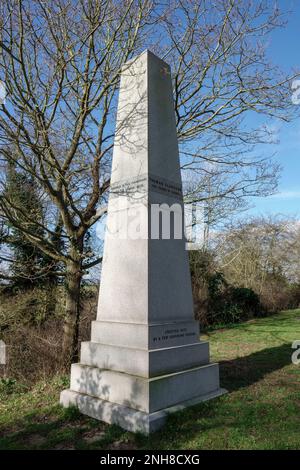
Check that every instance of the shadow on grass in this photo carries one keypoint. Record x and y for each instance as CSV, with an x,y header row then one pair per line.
x,y
236,421
59,428
244,371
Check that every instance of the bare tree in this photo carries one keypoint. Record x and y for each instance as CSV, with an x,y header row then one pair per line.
x,y
61,63
224,84
253,251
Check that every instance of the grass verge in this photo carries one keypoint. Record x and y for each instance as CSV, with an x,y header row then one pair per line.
x,y
262,410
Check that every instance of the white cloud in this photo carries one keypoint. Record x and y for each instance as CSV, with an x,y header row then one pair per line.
x,y
287,195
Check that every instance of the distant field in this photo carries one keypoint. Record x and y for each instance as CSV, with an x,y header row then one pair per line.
x,y
262,410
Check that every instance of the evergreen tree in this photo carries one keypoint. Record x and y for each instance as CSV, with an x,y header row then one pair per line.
x,y
30,267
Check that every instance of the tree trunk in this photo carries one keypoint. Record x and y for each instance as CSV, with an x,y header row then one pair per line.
x,y
72,314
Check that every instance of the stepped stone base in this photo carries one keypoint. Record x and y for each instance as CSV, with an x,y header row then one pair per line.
x,y
128,418
143,362
136,388
144,394
136,403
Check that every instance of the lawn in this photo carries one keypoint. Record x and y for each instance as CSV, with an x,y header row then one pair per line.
x,y
261,410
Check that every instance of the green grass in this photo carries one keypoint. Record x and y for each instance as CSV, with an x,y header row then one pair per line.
x,y
261,410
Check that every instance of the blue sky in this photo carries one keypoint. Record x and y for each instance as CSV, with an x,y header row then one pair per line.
x,y
284,51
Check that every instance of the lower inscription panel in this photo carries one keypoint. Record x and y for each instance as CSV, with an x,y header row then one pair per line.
x,y
142,336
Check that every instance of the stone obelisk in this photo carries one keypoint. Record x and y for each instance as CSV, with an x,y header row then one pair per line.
x,y
145,358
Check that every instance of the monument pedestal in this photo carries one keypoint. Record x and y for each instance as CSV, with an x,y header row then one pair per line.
x,y
145,359
129,418
137,388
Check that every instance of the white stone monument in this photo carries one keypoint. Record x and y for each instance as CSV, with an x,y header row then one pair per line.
x,y
145,358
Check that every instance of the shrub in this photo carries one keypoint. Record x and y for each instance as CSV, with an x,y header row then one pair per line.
x,y
294,296
229,304
216,301
247,300
34,344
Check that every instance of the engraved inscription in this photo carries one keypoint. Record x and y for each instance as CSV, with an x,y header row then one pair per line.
x,y
174,333
138,185
142,183
161,185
